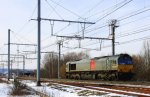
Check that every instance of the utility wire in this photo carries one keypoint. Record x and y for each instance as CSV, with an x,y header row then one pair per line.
x,y
139,28
133,14
110,8
134,40
62,29
114,10
134,32
109,13
78,48
96,5
90,30
28,20
125,17
67,9
54,9
124,35
48,46
121,43
142,18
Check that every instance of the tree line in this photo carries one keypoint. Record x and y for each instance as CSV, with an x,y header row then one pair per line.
x,y
141,63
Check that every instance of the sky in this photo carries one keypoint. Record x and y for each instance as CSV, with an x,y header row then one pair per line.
x,y
133,18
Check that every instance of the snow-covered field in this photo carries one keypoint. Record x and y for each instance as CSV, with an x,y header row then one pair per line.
x,y
59,90
5,90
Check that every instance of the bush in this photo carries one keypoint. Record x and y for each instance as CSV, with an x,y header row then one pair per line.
x,y
20,89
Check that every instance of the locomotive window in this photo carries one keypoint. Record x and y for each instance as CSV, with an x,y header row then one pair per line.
x,y
72,66
114,61
125,60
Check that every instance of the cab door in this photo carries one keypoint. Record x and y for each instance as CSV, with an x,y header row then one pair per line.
x,y
108,64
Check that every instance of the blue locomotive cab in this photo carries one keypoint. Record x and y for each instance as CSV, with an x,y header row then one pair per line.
x,y
125,59
125,67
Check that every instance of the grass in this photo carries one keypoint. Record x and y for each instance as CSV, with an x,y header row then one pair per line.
x,y
3,81
19,89
88,93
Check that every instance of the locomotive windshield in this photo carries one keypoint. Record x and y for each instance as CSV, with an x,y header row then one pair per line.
x,y
125,60
72,66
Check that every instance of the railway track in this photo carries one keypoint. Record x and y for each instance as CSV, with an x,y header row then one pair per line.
x,y
119,89
131,90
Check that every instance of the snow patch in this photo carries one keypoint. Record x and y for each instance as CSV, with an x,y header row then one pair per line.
x,y
61,90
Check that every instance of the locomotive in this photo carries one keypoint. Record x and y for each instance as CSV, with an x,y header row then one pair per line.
x,y
117,67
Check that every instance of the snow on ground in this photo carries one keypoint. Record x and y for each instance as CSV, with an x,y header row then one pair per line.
x,y
121,91
128,85
5,89
59,90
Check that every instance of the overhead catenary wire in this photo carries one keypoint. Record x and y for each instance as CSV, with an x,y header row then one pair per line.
x,y
28,21
96,5
121,43
114,10
140,11
135,13
20,38
124,35
110,8
139,19
129,41
48,46
67,9
134,32
56,32
54,9
118,7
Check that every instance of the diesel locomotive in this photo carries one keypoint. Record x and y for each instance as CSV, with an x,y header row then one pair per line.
x,y
117,67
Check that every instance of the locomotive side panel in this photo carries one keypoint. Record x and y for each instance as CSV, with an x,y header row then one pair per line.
x,y
105,64
100,64
83,65
113,63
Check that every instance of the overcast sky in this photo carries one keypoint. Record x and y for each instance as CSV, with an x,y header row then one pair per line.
x,y
133,20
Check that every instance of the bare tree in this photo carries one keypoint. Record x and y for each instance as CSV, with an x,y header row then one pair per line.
x,y
142,63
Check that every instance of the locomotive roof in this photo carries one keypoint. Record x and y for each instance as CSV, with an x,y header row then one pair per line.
x,y
110,56
118,55
79,60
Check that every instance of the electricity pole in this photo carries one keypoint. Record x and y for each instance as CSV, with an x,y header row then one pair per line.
x,y
113,27
11,67
23,64
52,64
18,61
59,48
8,54
39,43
